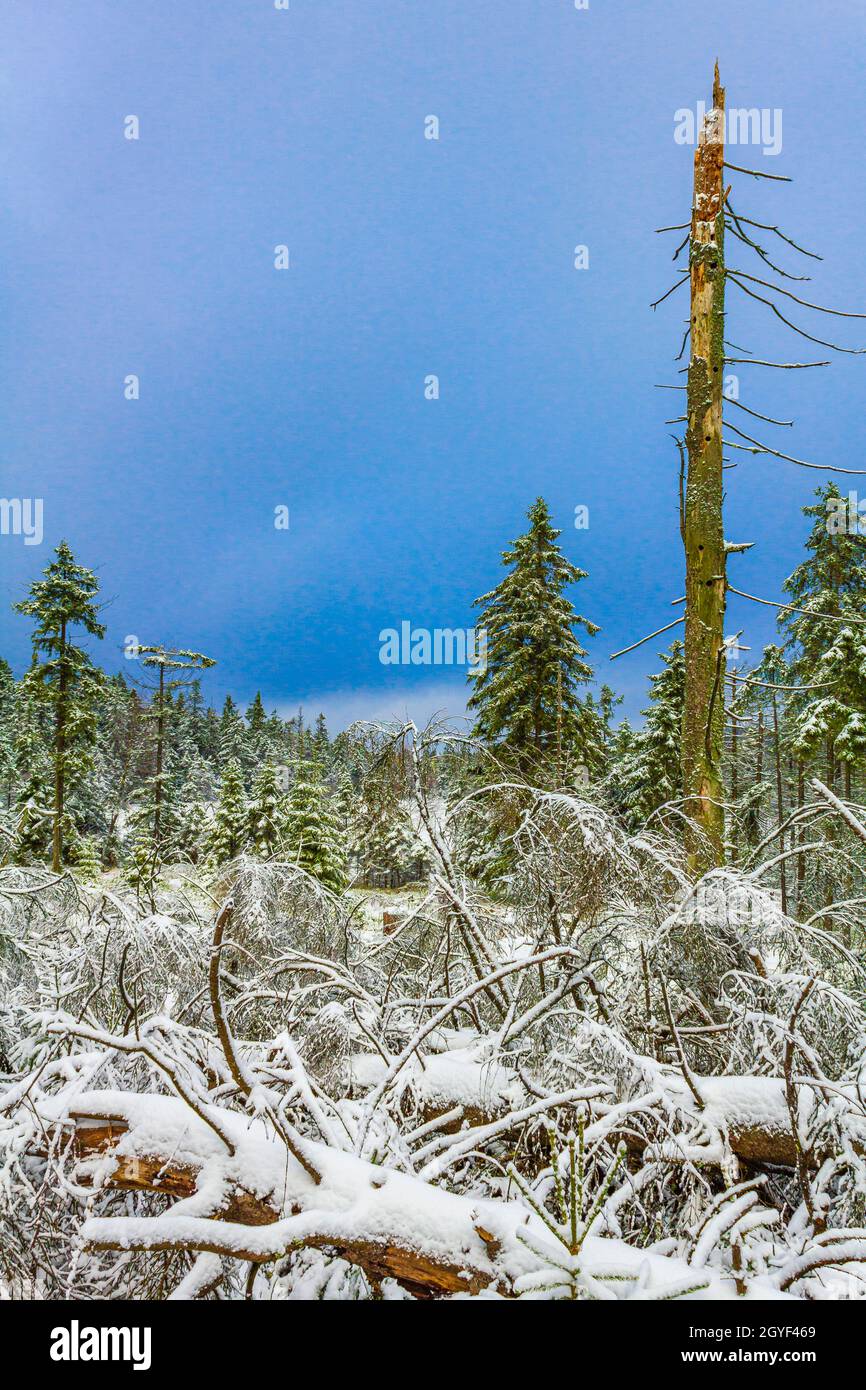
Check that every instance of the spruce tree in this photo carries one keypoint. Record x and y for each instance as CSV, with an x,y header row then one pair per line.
x,y
229,832
32,816
266,814
321,742
87,859
256,717
275,737
196,714
527,699
191,826
345,799
385,843
200,781
832,581
66,680
312,830
595,741
232,735
833,717
649,775
256,739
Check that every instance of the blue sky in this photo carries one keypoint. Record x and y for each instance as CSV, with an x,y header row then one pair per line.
x,y
409,257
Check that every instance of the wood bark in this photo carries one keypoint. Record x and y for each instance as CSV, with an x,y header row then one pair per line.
x,y
703,714
780,803
60,756
735,784
160,742
162,1173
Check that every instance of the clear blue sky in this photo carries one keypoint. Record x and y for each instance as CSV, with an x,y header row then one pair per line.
x,y
408,257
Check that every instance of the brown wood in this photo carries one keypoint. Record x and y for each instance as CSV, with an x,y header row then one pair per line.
x,y
703,532
415,1271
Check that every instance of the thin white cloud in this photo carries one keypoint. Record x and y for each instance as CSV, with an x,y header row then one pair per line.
x,y
419,703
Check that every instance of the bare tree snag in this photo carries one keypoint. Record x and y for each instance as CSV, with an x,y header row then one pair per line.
x,y
703,714
780,803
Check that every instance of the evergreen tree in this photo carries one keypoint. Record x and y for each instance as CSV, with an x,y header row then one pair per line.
x,y
200,782
33,783
345,800
96,805
229,836
321,742
212,728
88,863
833,717
829,721
527,700
649,775
831,580
232,735
266,815
191,827
385,843
256,717
275,737
256,741
623,747
595,738
66,680
197,720
313,832
143,866
123,751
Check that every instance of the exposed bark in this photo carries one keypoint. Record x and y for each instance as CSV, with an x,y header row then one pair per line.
x,y
161,1173
703,714
780,803
160,744
735,783
60,756
801,837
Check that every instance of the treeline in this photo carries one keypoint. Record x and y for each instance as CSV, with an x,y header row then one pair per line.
x,y
101,771
104,771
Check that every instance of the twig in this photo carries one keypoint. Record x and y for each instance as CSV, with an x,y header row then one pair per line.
x,y
648,637
757,173
790,608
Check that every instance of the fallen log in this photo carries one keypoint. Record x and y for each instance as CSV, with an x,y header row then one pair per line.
x,y
258,1205
99,1137
95,1136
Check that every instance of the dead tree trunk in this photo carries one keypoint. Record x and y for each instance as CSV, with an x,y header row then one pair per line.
x,y
801,837
735,780
780,803
703,715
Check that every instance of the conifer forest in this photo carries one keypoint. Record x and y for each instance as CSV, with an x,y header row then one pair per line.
x,y
555,993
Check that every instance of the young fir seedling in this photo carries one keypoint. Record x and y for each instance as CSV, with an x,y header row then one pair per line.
x,y
562,1275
